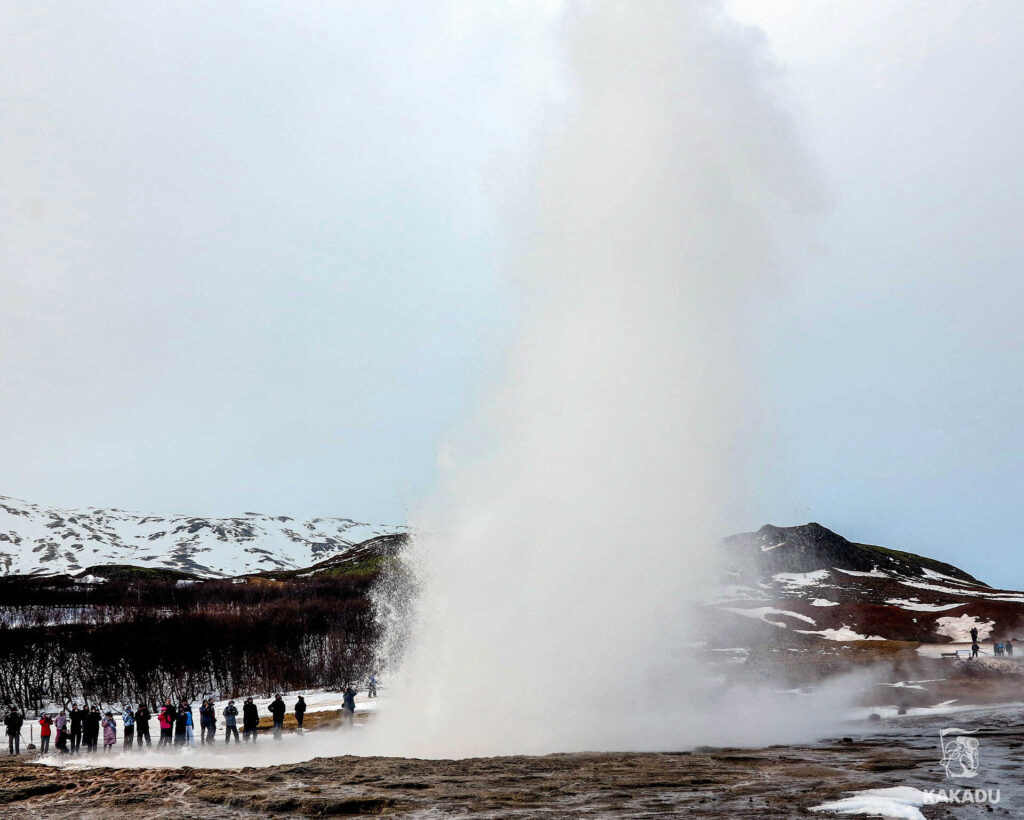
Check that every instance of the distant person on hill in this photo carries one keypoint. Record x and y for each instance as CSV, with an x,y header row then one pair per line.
x,y
207,721
372,687
44,733
76,716
975,649
166,721
230,721
348,705
277,710
13,723
109,732
300,711
1009,647
128,721
974,634
142,718
250,720
91,728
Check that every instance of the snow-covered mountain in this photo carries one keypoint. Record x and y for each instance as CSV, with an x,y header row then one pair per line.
x,y
38,540
808,581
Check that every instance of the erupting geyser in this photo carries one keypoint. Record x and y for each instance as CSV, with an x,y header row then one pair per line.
x,y
559,562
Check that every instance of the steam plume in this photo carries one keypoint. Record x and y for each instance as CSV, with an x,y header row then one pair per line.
x,y
561,560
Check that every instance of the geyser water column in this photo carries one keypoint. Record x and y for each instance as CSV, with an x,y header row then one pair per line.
x,y
558,564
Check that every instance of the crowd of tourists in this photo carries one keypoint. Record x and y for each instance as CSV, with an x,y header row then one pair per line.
x,y
80,730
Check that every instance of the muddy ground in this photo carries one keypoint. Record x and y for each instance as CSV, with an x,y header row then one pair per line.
x,y
780,781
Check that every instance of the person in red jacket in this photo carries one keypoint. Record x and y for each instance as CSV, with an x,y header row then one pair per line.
x,y
166,721
44,734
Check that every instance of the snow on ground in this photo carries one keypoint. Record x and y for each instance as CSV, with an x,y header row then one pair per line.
x,y
801,579
875,573
844,633
916,606
762,612
1007,597
824,602
897,801
959,628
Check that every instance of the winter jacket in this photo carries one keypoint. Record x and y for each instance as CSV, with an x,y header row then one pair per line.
x,y
277,708
109,731
61,722
128,717
13,723
76,721
300,708
230,714
349,701
180,722
250,716
142,716
166,717
207,717
188,717
91,724
44,726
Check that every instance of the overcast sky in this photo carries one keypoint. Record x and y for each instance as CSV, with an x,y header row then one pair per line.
x,y
250,257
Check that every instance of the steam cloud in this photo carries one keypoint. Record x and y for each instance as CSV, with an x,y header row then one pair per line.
x,y
560,565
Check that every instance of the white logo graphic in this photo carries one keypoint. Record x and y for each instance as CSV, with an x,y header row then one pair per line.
x,y
959,752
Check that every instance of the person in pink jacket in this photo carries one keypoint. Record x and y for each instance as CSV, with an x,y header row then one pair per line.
x,y
109,731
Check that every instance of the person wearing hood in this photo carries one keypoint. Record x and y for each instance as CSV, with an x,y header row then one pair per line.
x,y
109,731
230,721
60,723
277,710
348,705
190,733
300,711
13,723
128,721
250,720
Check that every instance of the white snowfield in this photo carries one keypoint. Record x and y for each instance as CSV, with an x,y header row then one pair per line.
x,y
36,540
898,801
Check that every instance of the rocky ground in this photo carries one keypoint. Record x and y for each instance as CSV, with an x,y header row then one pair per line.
x,y
779,781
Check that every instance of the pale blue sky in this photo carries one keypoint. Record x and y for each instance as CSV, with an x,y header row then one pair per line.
x,y
250,258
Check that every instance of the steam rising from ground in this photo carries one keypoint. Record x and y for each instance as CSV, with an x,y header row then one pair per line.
x,y
572,539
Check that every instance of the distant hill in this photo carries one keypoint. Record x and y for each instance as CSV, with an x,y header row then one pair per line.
x,y
37,540
808,582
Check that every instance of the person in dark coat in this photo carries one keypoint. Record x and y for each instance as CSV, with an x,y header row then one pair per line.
x,y
348,705
1009,648
230,714
207,721
181,725
91,728
76,716
142,718
975,649
300,711
974,634
250,720
13,723
277,710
